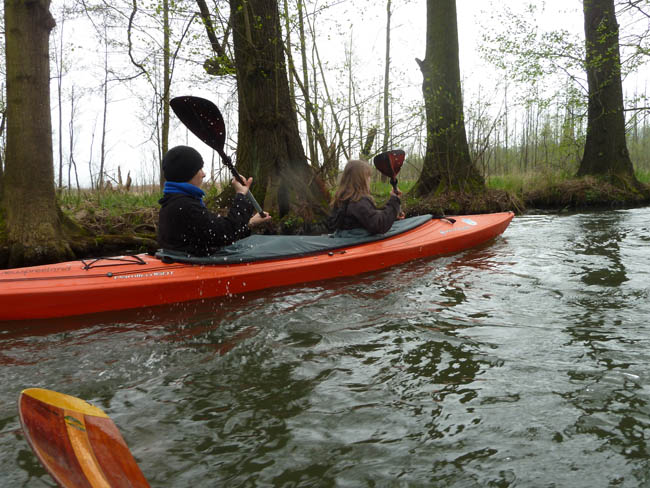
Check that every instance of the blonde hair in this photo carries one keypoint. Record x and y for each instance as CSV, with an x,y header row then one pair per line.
x,y
354,183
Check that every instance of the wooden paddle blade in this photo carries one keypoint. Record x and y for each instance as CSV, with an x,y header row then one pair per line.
x,y
202,118
77,443
389,163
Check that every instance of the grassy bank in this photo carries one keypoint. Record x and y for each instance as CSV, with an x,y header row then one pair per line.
x,y
136,212
114,212
561,191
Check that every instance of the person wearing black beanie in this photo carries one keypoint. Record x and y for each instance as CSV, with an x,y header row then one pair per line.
x,y
184,222
181,163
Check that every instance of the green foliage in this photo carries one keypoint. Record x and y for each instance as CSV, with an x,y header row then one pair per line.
x,y
381,190
111,202
643,176
533,57
291,224
518,183
212,191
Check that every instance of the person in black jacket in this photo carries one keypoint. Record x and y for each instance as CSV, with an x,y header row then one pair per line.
x,y
354,206
184,223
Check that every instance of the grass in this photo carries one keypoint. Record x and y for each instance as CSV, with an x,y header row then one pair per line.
x,y
518,183
643,175
113,212
111,202
381,190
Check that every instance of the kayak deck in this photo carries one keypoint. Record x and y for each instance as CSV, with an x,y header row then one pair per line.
x,y
125,282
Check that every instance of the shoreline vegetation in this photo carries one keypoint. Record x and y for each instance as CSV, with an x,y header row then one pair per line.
x,y
557,130
120,221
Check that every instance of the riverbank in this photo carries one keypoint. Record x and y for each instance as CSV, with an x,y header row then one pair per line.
x,y
136,213
119,222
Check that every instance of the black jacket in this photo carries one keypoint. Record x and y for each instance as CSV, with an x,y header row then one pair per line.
x,y
184,224
364,214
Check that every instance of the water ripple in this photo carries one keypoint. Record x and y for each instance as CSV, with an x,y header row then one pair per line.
x,y
519,363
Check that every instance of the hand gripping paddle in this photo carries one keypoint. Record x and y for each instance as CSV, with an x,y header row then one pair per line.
x,y
204,120
389,163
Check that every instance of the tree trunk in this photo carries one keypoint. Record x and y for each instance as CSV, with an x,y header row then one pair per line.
x,y
605,151
309,106
102,150
59,88
3,119
447,163
34,230
164,136
269,147
384,146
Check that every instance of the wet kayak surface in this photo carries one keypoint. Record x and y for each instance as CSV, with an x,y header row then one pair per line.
x,y
519,363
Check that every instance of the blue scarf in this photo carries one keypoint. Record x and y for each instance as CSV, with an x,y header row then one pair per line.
x,y
184,188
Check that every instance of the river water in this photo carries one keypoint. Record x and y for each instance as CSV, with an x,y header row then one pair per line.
x,y
520,363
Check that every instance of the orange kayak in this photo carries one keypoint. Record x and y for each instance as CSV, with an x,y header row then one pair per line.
x,y
127,282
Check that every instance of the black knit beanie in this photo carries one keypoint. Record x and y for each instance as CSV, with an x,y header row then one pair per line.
x,y
181,163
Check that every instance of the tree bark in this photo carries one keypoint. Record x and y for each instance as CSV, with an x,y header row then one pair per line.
x,y
447,163
269,147
605,151
34,229
164,130
309,106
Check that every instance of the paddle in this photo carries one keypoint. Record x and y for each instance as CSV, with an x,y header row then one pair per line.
x,y
78,443
204,120
389,163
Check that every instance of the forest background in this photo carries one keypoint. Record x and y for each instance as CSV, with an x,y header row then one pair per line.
x,y
524,88
522,65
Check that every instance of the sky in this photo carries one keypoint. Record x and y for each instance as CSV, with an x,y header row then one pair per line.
x,y
361,23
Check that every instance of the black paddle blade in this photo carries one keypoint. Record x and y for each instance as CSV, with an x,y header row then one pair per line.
x,y
390,162
202,118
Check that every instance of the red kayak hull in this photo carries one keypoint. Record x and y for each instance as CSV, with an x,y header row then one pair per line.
x,y
66,289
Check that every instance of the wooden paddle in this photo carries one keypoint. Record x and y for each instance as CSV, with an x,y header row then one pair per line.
x,y
204,120
78,443
389,163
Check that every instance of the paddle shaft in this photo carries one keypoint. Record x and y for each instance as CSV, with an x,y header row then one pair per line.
x,y
393,181
228,162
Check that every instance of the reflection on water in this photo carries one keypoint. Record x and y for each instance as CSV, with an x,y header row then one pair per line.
x,y
610,393
520,363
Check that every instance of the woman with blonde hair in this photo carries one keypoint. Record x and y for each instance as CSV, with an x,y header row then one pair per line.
x,y
354,206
